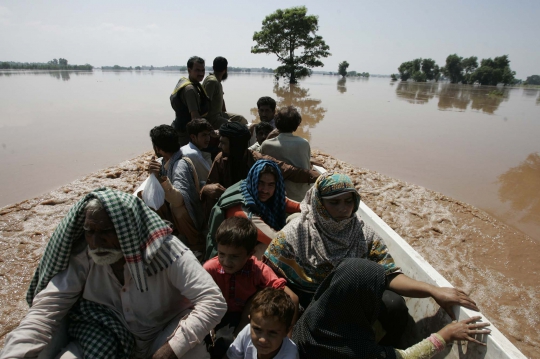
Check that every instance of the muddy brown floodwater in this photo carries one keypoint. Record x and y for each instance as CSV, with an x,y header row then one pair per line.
x,y
494,263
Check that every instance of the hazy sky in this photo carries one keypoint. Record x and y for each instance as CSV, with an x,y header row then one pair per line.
x,y
373,36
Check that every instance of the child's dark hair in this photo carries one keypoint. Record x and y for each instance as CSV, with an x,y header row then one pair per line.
x,y
272,302
288,119
263,127
237,232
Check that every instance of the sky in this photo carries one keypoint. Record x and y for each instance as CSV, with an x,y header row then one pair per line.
x,y
373,36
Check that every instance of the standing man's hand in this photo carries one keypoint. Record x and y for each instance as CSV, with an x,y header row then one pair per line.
x,y
165,352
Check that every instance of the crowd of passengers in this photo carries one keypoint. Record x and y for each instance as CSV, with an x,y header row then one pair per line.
x,y
252,255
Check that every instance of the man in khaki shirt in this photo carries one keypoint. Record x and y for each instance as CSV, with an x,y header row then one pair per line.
x,y
189,99
217,114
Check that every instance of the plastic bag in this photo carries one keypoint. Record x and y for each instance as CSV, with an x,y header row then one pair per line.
x,y
153,194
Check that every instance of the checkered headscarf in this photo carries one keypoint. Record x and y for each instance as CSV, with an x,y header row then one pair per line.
x,y
145,239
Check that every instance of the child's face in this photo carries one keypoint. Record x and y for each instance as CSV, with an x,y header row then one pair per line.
x,y
231,258
267,334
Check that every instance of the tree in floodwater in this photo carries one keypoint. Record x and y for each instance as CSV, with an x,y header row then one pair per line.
x,y
533,80
342,68
453,68
286,31
494,71
419,70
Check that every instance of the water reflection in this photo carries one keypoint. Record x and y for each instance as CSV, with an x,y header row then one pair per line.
x,y
453,97
294,95
311,110
520,186
342,85
416,93
62,75
530,92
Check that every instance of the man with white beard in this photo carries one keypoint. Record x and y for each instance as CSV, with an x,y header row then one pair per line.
x,y
123,287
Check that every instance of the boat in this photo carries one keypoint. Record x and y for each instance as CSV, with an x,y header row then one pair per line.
x,y
427,316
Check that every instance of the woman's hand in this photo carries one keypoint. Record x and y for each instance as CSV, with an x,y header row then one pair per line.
x,y
464,330
448,297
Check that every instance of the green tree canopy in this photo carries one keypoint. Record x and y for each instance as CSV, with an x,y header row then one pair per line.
x,y
342,69
533,80
419,70
285,32
453,69
493,72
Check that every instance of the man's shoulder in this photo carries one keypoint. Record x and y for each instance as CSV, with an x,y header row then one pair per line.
x,y
188,151
209,79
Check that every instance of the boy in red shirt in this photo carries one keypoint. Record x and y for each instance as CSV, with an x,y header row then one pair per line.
x,y
240,276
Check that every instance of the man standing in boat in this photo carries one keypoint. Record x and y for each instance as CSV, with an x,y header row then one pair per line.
x,y
217,113
189,99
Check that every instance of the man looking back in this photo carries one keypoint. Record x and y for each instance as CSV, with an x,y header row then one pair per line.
x,y
217,114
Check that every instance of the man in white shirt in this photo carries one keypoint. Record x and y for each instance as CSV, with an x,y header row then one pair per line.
x,y
199,132
129,288
291,149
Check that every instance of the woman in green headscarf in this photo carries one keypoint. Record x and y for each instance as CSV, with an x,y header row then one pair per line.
x,y
329,230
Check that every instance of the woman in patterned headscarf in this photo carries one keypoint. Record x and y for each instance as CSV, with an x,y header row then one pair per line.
x,y
260,198
328,231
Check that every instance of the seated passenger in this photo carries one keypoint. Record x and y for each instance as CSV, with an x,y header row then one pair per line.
x,y
235,161
129,288
260,198
345,331
217,114
240,276
329,230
266,335
199,131
180,182
291,149
262,130
266,107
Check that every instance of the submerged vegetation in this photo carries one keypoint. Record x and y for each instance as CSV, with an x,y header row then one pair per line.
x,y
460,70
496,93
55,64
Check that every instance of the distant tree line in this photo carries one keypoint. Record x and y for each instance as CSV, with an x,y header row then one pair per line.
x,y
183,68
55,64
459,70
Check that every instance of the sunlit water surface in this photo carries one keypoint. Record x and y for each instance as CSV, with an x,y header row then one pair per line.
x,y
459,140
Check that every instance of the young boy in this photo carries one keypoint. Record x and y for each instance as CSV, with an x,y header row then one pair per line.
x,y
262,130
265,337
199,131
239,274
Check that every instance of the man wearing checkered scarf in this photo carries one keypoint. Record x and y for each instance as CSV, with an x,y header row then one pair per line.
x,y
114,283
